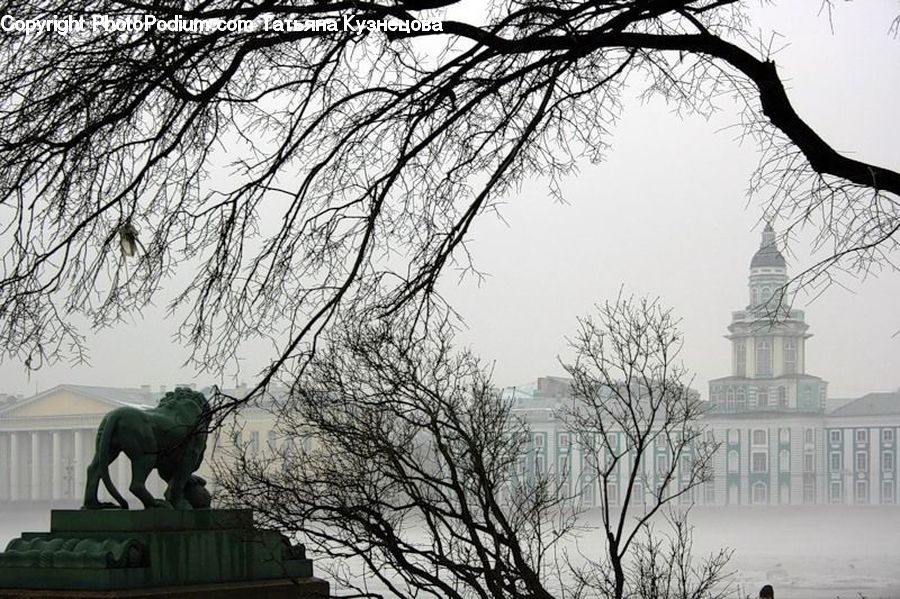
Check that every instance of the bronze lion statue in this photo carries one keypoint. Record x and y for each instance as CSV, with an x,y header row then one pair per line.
x,y
170,438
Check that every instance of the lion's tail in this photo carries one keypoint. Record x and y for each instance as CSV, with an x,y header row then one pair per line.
x,y
102,453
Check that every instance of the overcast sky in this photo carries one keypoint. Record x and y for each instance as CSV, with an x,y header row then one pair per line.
x,y
666,215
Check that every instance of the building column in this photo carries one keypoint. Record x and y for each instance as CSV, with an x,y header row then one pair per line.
x,y
56,467
79,467
13,467
35,465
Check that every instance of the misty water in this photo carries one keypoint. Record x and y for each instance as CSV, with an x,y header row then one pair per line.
x,y
804,552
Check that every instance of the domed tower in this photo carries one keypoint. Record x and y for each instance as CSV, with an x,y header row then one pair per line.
x,y
768,274
768,345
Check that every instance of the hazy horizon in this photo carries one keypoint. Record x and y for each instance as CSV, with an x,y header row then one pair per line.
x,y
665,215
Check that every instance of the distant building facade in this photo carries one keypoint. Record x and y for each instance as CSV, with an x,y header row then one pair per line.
x,y
47,441
783,441
780,442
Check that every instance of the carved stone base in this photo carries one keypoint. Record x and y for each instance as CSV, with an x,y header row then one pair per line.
x,y
162,552
307,588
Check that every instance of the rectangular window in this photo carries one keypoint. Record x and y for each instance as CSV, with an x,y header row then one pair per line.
x,y
612,493
271,440
733,461
254,442
862,461
887,491
887,461
809,492
759,461
835,494
760,437
637,494
834,436
538,440
834,462
763,357
662,463
238,439
809,436
784,461
564,441
862,491
887,435
790,356
587,495
809,462
740,359
862,435
762,397
538,465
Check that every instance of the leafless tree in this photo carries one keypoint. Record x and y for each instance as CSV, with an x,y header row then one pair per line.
x,y
292,172
399,469
642,424
404,471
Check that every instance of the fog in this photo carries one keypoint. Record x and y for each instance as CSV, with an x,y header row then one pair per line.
x,y
804,552
666,214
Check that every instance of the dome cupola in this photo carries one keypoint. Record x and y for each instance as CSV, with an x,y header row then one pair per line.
x,y
768,255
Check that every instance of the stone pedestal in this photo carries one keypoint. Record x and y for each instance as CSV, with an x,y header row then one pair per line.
x,y
156,553
306,588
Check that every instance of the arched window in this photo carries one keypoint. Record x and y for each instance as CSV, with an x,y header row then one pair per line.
x,y
790,356
760,492
729,399
763,357
715,396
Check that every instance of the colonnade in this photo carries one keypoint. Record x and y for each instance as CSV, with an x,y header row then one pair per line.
x,y
50,465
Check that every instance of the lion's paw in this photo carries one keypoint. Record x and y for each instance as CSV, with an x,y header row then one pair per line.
x,y
101,505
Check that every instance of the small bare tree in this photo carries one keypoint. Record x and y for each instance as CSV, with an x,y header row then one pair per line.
x,y
635,412
403,473
401,469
